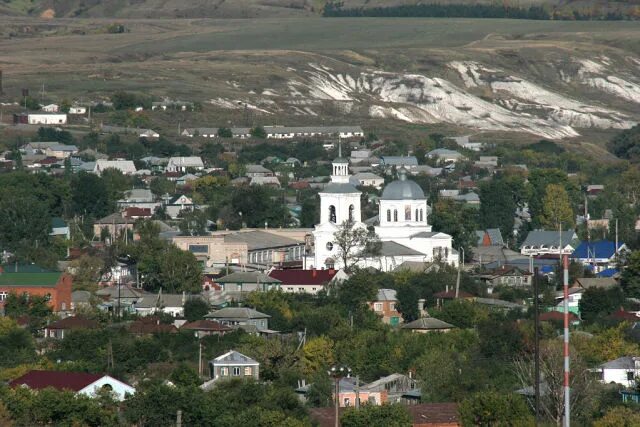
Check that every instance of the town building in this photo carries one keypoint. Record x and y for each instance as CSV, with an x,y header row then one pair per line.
x,y
385,306
41,118
402,224
79,382
307,281
623,370
428,324
548,242
234,365
445,155
60,328
127,167
114,224
34,281
598,255
182,164
240,316
203,328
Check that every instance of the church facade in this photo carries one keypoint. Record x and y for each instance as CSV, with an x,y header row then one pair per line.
x,y
402,227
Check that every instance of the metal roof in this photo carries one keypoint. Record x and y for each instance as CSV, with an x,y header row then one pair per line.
x,y
396,249
403,189
233,357
259,239
549,238
340,188
247,277
625,362
386,295
430,323
241,313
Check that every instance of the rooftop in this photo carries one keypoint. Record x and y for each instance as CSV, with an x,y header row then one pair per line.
x,y
74,322
233,357
402,189
247,277
428,323
30,279
240,313
259,239
303,277
60,380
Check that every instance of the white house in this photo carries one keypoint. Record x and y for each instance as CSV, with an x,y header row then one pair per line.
x,y
50,108
76,110
369,179
181,164
127,167
46,119
234,365
79,382
545,242
445,155
623,371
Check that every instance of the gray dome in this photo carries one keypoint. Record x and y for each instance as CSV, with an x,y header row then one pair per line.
x,y
403,189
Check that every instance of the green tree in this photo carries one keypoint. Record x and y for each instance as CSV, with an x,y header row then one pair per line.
x,y
36,308
355,243
630,279
195,309
317,355
395,415
160,186
626,144
499,199
16,344
31,103
491,408
557,209
597,302
90,196
458,221
193,223
320,392
65,105
619,416
25,223
258,132
185,376
226,133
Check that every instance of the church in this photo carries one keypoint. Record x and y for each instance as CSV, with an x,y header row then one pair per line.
x,y
402,224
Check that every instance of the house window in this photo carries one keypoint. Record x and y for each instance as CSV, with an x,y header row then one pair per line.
x,y
347,402
314,289
3,296
630,376
224,372
377,306
395,215
236,371
199,249
388,215
247,371
300,289
392,306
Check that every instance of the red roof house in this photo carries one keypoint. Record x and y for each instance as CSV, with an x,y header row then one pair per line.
x,y
204,328
79,382
135,213
557,316
61,327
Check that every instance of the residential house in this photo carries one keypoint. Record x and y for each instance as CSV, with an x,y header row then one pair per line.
x,y
285,132
428,324
623,370
60,228
204,328
465,142
489,237
50,108
422,415
240,316
268,181
573,302
548,242
177,204
234,365
599,255
360,157
60,328
138,198
253,171
389,162
114,224
557,317
445,155
271,247
594,189
171,304
183,164
306,281
385,306
368,179
81,383
450,295
470,198
34,281
137,213
77,110
139,132
507,276
239,283
125,166
50,149
80,299
487,162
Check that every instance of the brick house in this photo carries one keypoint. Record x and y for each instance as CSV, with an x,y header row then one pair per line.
x,y
385,306
35,281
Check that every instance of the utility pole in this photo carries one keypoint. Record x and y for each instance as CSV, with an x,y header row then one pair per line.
x,y
536,298
200,358
357,402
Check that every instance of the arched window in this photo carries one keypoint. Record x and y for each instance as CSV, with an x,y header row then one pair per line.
x,y
351,209
417,217
395,215
388,215
329,263
421,217
332,213
407,213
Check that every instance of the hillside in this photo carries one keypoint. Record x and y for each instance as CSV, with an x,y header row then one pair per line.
x,y
136,9
535,79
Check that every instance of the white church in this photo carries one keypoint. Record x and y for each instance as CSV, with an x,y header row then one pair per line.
x,y
402,225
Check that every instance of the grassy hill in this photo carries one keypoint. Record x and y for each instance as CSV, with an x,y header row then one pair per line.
x,y
137,9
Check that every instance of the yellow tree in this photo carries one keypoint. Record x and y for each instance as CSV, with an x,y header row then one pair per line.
x,y
317,354
556,208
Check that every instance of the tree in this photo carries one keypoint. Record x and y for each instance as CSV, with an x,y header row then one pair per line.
x,y
193,223
86,271
630,280
185,376
320,392
598,302
16,344
557,208
195,309
619,416
226,133
354,242
491,408
499,199
160,186
258,132
31,103
317,355
626,144
90,195
394,415
581,381
36,308
65,105
458,221
25,223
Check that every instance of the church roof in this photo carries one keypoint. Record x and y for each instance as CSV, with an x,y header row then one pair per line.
x,y
341,160
337,187
391,248
402,189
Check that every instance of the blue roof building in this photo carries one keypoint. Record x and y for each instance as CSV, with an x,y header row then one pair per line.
x,y
599,255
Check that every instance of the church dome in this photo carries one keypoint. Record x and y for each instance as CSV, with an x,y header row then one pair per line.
x,y
402,189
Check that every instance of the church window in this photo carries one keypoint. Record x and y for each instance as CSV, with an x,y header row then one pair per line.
x,y
417,215
332,213
329,246
329,263
407,213
421,217
351,209
395,215
388,215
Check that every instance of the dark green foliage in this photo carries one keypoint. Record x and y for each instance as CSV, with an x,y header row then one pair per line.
x,y
499,199
257,207
626,144
16,347
225,132
53,134
128,101
597,303
490,408
630,280
31,103
377,416
185,376
36,308
258,132
195,309
24,225
320,394
500,337
459,221
90,196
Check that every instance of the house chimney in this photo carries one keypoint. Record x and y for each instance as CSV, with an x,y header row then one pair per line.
x,y
421,311
313,273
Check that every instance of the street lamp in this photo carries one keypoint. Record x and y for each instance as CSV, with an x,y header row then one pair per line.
x,y
337,372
